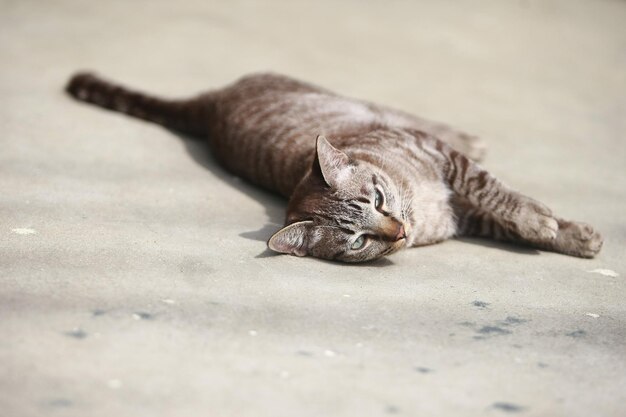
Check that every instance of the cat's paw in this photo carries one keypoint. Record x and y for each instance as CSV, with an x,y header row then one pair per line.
x,y
534,222
578,239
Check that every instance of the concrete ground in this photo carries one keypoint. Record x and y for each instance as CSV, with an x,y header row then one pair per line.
x,y
133,274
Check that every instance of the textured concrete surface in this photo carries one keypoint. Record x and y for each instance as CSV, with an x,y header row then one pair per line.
x,y
133,274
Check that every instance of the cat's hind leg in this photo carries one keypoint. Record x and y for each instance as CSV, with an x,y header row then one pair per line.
x,y
469,145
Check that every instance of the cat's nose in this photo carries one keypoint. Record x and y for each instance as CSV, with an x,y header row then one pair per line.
x,y
401,234
391,230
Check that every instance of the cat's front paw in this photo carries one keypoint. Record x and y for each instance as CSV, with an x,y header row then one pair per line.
x,y
534,222
578,239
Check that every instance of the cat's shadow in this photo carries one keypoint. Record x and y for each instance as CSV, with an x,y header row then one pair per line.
x,y
275,205
500,245
198,149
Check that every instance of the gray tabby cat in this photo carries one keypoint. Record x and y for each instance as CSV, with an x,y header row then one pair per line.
x,y
363,180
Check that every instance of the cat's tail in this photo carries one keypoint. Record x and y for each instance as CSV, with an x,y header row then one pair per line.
x,y
188,116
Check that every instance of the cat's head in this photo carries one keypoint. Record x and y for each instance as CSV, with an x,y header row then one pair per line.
x,y
344,210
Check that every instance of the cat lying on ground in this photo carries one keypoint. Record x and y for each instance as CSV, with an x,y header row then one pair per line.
x,y
363,180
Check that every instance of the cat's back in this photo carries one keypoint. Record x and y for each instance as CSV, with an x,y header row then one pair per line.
x,y
264,126
271,101
267,103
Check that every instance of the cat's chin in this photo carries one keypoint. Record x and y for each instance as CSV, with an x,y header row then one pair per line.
x,y
400,244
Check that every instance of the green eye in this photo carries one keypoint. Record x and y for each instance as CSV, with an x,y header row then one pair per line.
x,y
378,199
358,243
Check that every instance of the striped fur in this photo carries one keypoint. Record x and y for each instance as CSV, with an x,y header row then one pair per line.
x,y
376,180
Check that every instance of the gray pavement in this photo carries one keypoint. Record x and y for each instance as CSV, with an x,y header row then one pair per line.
x,y
134,279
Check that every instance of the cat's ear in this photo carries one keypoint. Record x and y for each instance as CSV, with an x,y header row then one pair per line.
x,y
332,164
291,239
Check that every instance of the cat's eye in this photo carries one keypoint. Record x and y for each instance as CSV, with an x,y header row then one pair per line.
x,y
378,200
358,243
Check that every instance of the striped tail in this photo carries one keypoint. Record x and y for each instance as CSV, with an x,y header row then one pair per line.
x,y
188,116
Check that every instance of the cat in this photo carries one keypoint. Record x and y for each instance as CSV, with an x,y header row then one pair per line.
x,y
363,180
